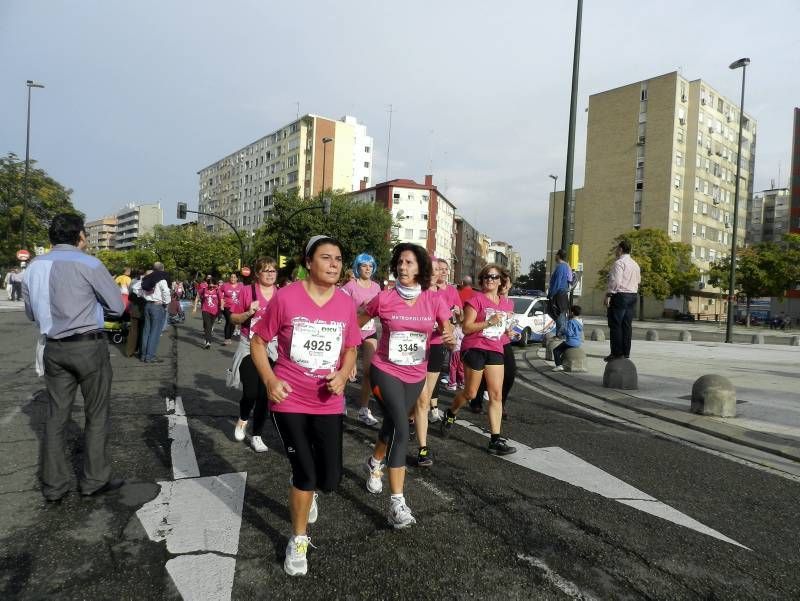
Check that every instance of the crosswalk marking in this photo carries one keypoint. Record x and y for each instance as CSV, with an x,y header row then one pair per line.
x,y
562,465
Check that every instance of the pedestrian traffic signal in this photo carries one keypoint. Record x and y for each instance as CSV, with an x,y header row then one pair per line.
x,y
282,261
181,210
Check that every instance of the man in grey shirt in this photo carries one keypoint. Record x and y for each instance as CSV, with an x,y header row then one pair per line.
x,y
67,293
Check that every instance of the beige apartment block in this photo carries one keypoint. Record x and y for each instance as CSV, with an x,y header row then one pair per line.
x,y
134,221
660,153
241,186
101,233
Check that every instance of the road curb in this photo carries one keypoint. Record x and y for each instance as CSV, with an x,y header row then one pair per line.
x,y
768,443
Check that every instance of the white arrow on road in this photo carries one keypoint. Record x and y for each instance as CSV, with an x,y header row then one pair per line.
x,y
557,463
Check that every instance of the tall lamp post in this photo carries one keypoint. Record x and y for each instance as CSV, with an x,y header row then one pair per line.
x,y
324,158
552,219
741,63
576,60
30,84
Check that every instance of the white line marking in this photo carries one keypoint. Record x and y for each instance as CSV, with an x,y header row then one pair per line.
x,y
184,461
11,415
208,577
435,490
561,583
557,463
200,514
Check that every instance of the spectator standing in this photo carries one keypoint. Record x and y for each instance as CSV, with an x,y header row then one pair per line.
x,y
558,291
7,283
67,293
136,305
16,284
157,296
465,291
621,296
572,335
124,283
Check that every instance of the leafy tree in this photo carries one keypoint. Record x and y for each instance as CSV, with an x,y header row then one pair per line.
x,y
117,260
535,278
666,266
187,250
360,227
47,198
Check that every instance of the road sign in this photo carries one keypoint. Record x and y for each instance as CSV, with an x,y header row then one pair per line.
x,y
23,255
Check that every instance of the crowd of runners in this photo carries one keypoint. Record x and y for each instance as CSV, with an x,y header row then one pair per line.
x,y
298,347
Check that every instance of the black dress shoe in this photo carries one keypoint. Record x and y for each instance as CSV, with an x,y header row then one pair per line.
x,y
56,500
107,487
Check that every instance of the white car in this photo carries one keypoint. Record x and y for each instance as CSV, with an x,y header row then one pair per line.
x,y
532,317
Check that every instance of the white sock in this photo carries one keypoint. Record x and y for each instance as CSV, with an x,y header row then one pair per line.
x,y
373,463
398,499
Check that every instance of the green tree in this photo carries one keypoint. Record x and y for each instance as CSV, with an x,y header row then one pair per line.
x,y
666,266
360,227
117,260
535,278
187,250
47,197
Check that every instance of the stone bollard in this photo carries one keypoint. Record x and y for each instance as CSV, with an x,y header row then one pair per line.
x,y
757,339
651,335
549,345
685,336
621,374
794,341
575,360
714,395
598,335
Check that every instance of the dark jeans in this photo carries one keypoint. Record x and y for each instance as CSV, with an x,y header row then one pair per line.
x,y
229,325
68,365
559,309
558,352
16,291
621,310
155,314
254,394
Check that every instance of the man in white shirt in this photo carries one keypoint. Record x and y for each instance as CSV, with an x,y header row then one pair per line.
x,y
621,296
155,312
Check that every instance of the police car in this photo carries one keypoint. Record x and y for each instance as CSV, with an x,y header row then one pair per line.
x,y
532,318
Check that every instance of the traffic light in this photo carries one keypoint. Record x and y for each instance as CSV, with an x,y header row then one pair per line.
x,y
181,210
574,256
282,261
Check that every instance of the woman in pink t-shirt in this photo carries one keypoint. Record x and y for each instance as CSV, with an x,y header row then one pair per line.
x,y
251,309
318,333
209,301
362,290
486,318
408,314
230,300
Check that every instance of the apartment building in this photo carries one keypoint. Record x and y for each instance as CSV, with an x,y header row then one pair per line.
x,y
134,221
421,213
661,153
768,215
304,155
467,260
101,234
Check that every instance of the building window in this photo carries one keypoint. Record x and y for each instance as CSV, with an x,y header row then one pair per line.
x,y
675,228
409,234
676,205
681,136
366,149
423,234
366,164
679,158
424,216
677,181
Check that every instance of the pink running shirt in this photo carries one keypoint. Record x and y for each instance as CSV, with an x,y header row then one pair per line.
x,y
449,295
406,332
230,295
490,339
209,297
313,336
245,298
361,297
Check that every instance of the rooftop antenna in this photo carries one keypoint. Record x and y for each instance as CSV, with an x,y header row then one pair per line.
x,y
298,109
388,142
780,183
430,158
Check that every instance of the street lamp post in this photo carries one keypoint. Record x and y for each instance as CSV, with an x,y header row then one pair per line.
x,y
324,157
30,84
741,63
576,59
552,219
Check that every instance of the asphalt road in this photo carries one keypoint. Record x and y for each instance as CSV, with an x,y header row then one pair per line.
x,y
487,528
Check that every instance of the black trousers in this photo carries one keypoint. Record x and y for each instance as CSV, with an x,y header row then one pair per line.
x,y
229,325
208,323
621,309
254,395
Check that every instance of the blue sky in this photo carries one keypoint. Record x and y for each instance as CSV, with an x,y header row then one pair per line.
x,y
140,95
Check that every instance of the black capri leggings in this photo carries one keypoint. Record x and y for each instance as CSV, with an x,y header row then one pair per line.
x,y
313,444
208,323
396,398
229,325
254,395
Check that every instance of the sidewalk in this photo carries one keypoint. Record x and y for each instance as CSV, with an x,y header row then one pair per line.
x,y
765,376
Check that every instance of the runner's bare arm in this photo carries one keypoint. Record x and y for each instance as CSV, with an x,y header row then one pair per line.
x,y
277,389
338,379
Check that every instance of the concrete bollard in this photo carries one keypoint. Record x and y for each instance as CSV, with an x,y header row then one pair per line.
x,y
794,341
714,395
575,360
651,335
598,335
621,374
549,345
757,339
685,336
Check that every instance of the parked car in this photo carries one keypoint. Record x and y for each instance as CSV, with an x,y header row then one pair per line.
x,y
684,316
532,317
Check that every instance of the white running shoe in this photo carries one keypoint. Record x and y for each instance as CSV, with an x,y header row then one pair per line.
x,y
374,476
400,515
558,368
313,512
486,395
239,431
258,445
365,417
296,563
435,415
